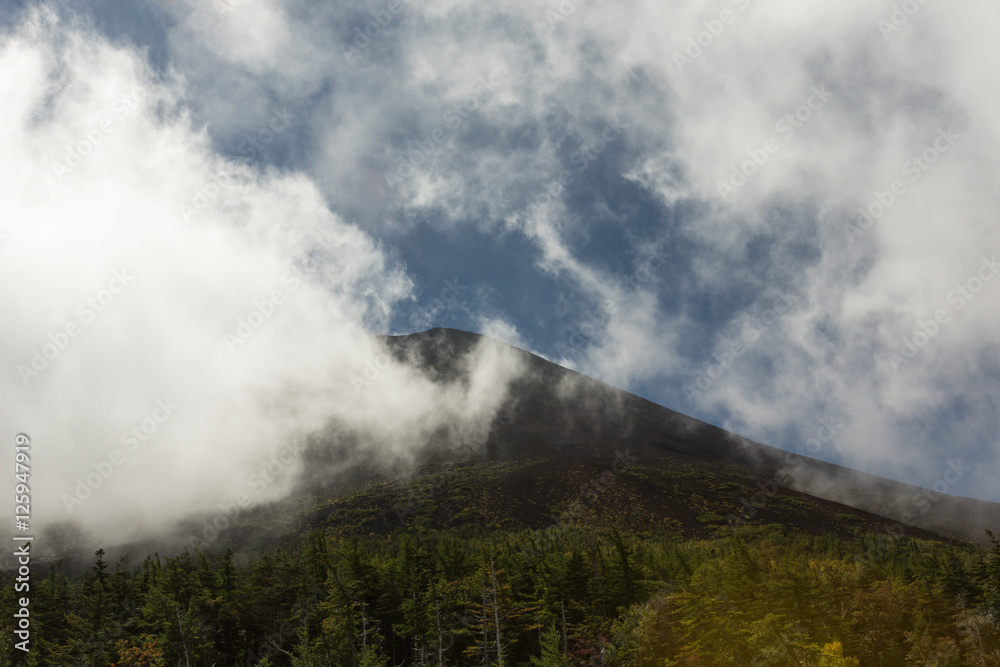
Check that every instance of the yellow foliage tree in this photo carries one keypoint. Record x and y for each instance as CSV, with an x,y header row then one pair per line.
x,y
832,655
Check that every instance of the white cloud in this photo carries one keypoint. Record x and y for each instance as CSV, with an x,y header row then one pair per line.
x,y
251,317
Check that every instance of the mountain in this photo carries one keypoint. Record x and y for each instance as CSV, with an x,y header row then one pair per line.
x,y
563,440
557,413
583,526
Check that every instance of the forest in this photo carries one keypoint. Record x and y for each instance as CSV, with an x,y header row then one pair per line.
x,y
569,594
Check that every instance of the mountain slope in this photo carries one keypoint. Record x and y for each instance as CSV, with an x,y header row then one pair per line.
x,y
554,412
566,447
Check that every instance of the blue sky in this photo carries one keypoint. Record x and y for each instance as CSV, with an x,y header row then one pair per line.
x,y
713,157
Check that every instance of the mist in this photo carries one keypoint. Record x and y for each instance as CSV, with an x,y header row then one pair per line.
x,y
182,320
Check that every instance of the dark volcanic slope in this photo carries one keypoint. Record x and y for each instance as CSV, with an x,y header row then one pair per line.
x,y
554,412
684,494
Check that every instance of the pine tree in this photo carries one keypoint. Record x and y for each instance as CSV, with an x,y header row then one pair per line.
x,y
552,655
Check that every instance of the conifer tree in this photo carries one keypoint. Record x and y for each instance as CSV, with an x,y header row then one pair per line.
x,y
552,654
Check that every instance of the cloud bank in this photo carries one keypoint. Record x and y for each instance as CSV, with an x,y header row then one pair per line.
x,y
182,318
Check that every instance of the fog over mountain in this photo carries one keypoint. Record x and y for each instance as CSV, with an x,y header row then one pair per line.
x,y
778,219
157,361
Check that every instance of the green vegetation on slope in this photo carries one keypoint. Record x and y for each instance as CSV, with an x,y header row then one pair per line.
x,y
447,571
